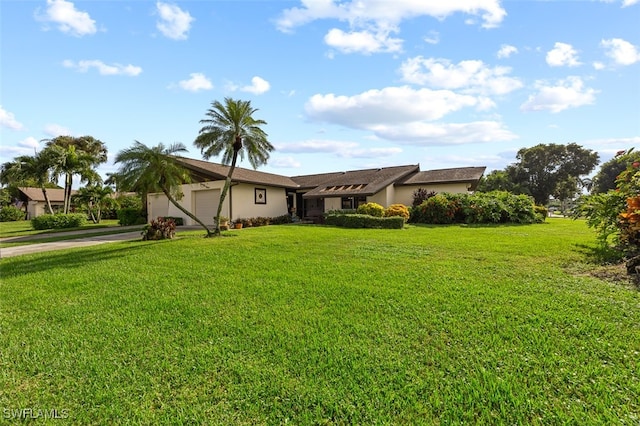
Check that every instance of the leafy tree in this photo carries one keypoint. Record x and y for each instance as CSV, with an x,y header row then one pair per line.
x,y
95,198
231,130
541,168
76,156
27,168
155,169
606,177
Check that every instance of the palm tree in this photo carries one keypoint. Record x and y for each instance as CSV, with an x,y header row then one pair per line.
x,y
29,168
155,169
231,130
95,198
77,156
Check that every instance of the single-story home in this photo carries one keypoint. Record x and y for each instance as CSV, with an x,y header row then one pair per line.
x,y
259,194
33,199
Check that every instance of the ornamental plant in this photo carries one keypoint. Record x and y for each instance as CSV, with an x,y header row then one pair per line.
x,y
372,209
397,210
159,229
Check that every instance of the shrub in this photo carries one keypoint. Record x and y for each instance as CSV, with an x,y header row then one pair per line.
x,y
281,220
397,210
159,229
58,221
11,214
436,209
421,195
178,220
364,221
371,209
541,213
131,216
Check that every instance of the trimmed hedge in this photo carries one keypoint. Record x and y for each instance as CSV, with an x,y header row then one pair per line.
x,y
131,216
177,220
11,214
363,221
59,221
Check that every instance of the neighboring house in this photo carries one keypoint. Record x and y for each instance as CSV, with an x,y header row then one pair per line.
x,y
35,203
258,194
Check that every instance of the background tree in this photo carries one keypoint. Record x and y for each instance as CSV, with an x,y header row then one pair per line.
x,y
76,156
231,130
155,169
605,179
96,199
541,168
27,170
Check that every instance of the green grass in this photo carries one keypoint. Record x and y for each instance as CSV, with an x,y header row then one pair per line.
x,y
320,325
23,227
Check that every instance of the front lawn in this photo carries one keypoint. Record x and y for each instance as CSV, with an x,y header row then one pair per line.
x,y
23,227
322,325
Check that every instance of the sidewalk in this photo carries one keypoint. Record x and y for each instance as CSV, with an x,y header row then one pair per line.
x,y
124,233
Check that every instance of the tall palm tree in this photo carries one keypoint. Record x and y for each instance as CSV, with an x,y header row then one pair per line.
x,y
155,169
77,156
34,168
231,130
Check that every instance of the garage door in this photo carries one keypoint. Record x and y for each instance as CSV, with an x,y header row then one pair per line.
x,y
159,206
206,205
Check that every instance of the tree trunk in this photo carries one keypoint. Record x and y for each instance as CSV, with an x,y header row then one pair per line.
x,y
46,199
68,181
185,211
227,184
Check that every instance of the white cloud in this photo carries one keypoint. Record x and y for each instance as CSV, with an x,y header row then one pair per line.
x,y
174,23
30,142
563,54
341,149
54,130
103,69
389,105
506,50
285,163
28,146
568,93
364,42
432,38
621,51
360,13
197,82
598,66
258,86
625,3
470,76
433,134
69,19
8,120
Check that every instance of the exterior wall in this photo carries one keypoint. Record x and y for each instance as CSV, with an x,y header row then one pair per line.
x,y
385,197
404,194
38,208
239,202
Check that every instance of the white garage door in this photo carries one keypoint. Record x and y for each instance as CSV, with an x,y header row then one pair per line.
x,y
206,205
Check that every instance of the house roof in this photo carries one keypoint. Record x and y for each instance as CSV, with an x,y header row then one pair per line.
x,y
212,171
55,195
353,183
471,175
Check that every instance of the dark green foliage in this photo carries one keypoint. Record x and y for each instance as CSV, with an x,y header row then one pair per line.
x,y
491,207
281,220
178,220
363,221
420,195
541,212
605,179
58,221
159,229
11,214
131,216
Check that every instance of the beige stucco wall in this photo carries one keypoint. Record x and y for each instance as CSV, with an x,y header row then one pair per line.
x,y
332,203
241,195
404,194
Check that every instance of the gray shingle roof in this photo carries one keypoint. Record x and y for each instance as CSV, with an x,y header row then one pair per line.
x,y
460,174
35,194
214,171
353,183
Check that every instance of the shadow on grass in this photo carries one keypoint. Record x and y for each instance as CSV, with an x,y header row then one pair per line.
x,y
599,255
69,258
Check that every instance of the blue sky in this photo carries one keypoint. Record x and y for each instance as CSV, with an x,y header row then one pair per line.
x,y
343,85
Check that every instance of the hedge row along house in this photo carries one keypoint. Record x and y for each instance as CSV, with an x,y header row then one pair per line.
x,y
260,194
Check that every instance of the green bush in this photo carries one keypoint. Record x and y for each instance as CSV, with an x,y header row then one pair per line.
x,y
371,209
364,221
490,207
131,216
11,214
159,229
59,221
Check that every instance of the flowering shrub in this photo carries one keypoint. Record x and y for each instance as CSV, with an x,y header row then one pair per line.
x,y
421,195
159,229
372,209
397,210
